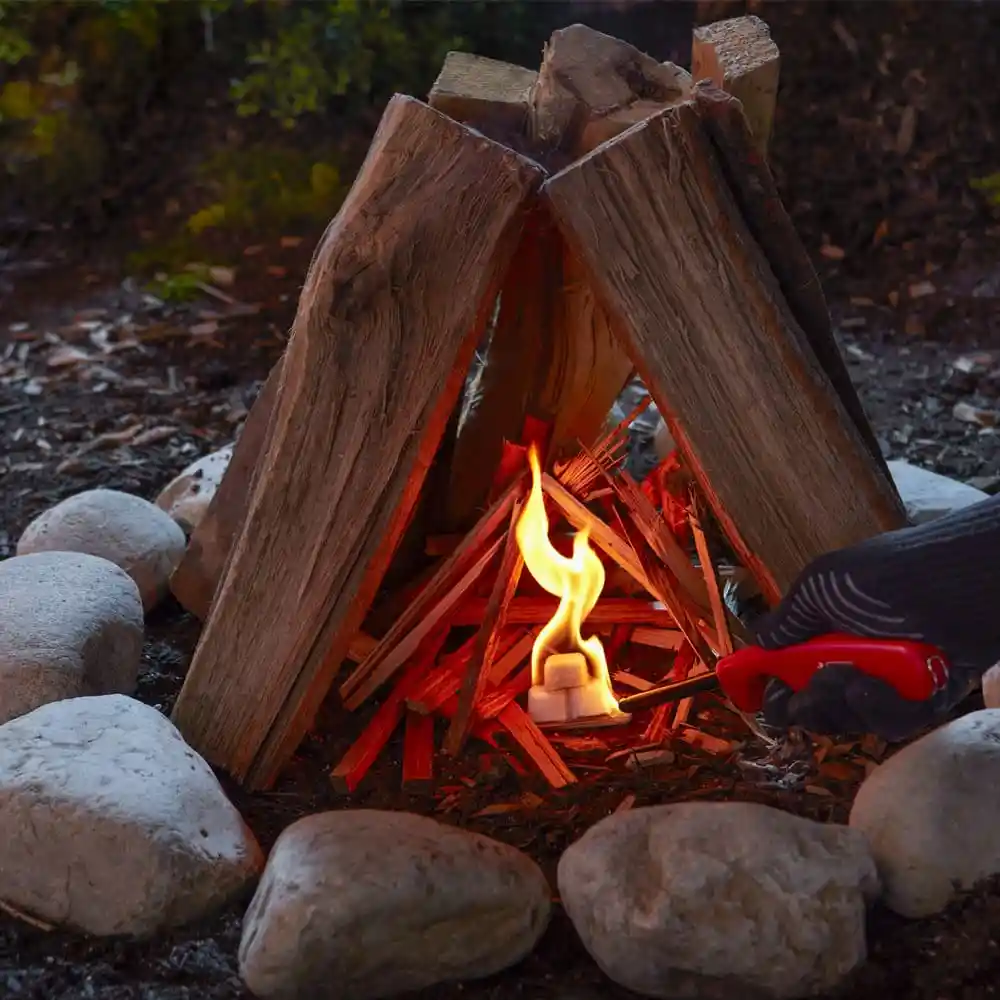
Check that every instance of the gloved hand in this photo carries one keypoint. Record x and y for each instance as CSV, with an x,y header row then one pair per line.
x,y
937,583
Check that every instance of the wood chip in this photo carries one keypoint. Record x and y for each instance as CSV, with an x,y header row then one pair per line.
x,y
626,679
418,752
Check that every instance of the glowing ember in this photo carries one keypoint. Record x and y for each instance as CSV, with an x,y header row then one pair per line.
x,y
569,674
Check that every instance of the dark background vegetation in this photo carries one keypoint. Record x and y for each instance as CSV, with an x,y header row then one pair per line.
x,y
154,132
255,102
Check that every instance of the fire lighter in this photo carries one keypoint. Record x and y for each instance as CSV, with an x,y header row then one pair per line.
x,y
916,670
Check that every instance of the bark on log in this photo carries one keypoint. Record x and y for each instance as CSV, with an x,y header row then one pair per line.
x,y
389,316
703,316
552,354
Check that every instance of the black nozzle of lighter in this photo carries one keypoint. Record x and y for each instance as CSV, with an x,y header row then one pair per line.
x,y
664,693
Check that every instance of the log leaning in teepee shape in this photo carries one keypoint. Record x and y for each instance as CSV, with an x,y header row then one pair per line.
x,y
552,354
754,189
705,322
391,311
738,56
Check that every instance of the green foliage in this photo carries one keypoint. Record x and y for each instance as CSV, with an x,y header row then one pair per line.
x,y
289,59
269,185
317,53
15,45
72,76
66,74
989,186
184,286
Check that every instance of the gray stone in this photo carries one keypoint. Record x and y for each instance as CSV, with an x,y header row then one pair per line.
x,y
362,904
127,530
720,900
928,495
71,625
110,824
663,441
991,687
932,814
186,497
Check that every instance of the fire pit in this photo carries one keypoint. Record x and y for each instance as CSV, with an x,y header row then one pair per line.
x,y
607,214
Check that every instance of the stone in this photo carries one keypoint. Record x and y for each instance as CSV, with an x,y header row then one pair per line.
x,y
991,687
928,495
663,441
186,497
125,529
197,577
932,817
361,904
110,824
720,900
71,625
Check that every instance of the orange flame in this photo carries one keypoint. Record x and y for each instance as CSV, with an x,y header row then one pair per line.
x,y
576,581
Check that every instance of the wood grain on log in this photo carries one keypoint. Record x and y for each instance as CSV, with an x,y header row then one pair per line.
x,y
761,427
390,313
753,187
738,56
519,355
588,78
553,354
474,89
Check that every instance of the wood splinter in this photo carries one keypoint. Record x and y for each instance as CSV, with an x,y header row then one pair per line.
x,y
488,637
418,752
533,741
439,597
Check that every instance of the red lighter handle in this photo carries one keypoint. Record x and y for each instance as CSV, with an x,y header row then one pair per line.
x,y
916,670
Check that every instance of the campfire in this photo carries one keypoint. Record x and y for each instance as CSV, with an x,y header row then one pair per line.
x,y
570,682
525,651
488,562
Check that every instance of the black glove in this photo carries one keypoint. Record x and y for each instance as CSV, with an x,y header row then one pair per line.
x,y
937,583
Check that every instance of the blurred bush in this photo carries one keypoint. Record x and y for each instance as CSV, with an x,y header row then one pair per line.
x,y
78,79
990,187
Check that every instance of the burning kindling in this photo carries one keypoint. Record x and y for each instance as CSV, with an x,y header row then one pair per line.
x,y
604,216
480,681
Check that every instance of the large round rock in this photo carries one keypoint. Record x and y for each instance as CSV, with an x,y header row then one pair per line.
x,y
362,904
186,497
110,824
719,900
932,814
70,624
127,530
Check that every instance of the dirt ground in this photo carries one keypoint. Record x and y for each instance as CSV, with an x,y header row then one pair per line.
x,y
887,112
